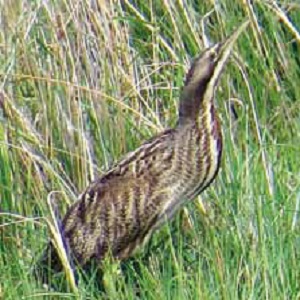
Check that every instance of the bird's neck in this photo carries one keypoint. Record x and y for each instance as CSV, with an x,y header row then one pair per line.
x,y
197,111
204,125
192,104
207,116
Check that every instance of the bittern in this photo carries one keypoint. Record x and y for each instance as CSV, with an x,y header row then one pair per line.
x,y
120,210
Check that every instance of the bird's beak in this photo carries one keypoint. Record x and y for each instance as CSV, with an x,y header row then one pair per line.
x,y
223,50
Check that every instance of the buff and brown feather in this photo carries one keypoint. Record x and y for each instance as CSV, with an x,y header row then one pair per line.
x,y
119,210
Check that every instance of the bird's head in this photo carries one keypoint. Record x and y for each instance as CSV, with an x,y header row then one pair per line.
x,y
203,76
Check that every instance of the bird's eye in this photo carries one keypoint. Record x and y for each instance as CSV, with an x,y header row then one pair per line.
x,y
213,56
214,52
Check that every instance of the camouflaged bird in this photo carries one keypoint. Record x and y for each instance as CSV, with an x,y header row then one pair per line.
x,y
120,210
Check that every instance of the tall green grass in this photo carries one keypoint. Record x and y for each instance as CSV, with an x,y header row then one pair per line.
x,y
82,84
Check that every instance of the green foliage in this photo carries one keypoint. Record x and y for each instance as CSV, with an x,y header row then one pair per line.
x,y
83,84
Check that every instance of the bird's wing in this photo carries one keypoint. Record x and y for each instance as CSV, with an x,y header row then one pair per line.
x,y
117,211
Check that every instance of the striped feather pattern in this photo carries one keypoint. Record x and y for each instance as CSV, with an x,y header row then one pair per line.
x,y
120,210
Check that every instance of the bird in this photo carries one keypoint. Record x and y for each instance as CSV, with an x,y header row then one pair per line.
x,y
118,212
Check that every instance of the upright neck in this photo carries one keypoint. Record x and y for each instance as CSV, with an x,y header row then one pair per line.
x,y
192,105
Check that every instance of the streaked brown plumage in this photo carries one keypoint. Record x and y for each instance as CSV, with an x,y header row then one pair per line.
x,y
118,211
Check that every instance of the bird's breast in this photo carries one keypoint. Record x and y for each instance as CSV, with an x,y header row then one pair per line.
x,y
198,151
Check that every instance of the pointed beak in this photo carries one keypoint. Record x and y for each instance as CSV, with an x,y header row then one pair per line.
x,y
222,52
226,46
